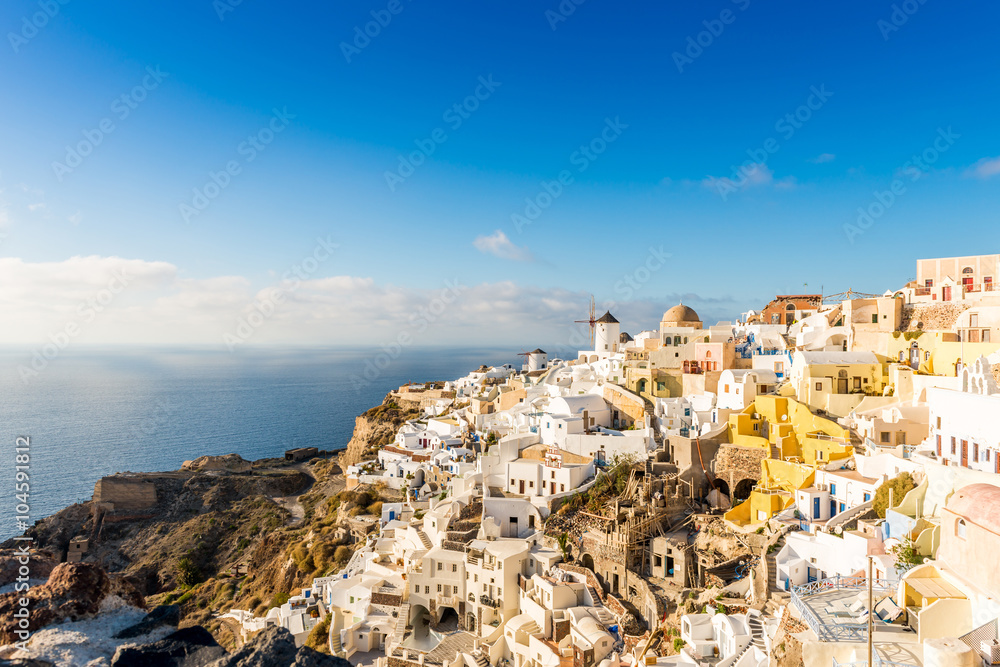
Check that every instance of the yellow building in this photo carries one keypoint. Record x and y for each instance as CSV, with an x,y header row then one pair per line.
x,y
779,480
790,431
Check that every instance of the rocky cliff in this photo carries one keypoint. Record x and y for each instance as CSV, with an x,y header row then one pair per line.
x,y
377,427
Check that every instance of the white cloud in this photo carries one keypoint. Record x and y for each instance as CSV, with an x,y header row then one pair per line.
x,y
36,207
498,245
76,218
746,177
822,157
161,306
988,167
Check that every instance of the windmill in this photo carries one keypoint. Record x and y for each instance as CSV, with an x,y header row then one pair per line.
x,y
592,321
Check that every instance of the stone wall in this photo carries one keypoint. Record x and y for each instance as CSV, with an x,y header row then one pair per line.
x,y
630,407
931,317
734,463
123,493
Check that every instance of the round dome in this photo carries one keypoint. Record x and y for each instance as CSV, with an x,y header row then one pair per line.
x,y
681,313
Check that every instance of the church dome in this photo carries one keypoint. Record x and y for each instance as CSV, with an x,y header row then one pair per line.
x,y
680,315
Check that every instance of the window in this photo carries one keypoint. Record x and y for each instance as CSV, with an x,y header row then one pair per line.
x,y
960,528
975,452
819,386
440,566
439,588
927,355
868,496
875,318
974,319
725,388
939,422
427,590
531,484
454,567
833,489
562,488
884,436
928,283
953,445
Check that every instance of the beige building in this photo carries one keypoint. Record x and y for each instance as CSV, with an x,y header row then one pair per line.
x,y
949,279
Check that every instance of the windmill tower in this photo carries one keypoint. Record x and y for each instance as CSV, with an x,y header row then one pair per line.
x,y
590,321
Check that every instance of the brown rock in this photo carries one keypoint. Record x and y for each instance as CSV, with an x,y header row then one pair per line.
x,y
73,591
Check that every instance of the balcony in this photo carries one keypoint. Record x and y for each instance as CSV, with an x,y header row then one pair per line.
x,y
487,601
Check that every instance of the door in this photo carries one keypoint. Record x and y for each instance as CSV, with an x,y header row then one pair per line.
x,y
521,487
815,508
914,355
965,453
946,293
833,508
842,386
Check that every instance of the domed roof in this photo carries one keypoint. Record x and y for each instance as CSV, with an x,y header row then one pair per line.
x,y
979,503
681,313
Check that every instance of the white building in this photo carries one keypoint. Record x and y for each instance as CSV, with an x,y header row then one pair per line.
x,y
964,428
739,388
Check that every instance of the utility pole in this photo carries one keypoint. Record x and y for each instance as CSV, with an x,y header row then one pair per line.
x,y
871,615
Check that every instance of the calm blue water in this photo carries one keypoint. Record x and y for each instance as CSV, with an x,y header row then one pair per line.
x,y
95,412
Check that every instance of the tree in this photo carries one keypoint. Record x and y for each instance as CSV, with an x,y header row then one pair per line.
x,y
900,485
906,555
188,574
564,545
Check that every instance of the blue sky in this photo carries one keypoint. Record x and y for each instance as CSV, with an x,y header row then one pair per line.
x,y
894,78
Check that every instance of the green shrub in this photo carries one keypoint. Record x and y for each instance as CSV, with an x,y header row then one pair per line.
x,y
900,485
188,574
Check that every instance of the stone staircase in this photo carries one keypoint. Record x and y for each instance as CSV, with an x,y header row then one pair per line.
x,y
426,541
756,625
594,595
482,660
402,617
336,645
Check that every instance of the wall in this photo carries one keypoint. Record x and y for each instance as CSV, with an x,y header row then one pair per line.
x,y
125,493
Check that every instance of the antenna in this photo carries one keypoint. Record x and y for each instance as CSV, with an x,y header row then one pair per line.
x,y
592,321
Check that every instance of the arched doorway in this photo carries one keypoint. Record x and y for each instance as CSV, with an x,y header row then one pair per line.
x,y
721,485
743,489
588,562
641,386
449,620
470,622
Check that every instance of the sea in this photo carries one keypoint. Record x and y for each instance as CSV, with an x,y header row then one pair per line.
x,y
93,412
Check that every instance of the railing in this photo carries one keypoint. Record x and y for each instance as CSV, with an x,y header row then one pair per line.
x,y
488,601
838,631
879,662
